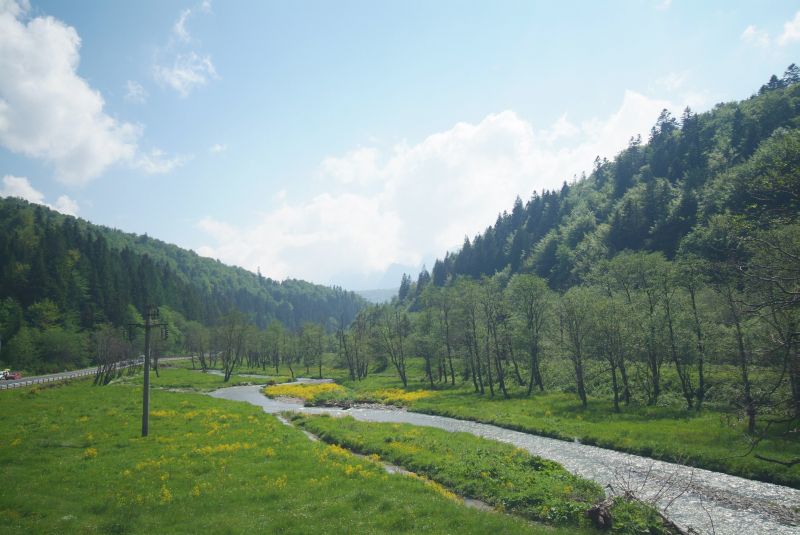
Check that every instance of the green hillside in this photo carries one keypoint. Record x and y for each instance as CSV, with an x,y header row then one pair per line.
x,y
61,275
653,194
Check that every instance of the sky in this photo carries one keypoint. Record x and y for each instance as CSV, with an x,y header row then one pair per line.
x,y
348,142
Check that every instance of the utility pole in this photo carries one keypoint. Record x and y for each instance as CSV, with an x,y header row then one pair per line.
x,y
150,321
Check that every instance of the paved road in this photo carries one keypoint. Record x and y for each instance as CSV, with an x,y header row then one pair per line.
x,y
61,376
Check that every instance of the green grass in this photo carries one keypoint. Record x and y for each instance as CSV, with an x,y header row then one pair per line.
x,y
497,473
73,462
178,375
186,363
712,438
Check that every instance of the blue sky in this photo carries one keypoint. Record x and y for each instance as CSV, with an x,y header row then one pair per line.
x,y
345,142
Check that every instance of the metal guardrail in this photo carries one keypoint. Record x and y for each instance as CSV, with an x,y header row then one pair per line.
x,y
50,379
64,376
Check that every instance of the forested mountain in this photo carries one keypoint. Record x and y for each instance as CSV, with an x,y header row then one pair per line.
x,y
66,273
668,276
651,195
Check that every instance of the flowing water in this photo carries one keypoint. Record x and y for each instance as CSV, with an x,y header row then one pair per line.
x,y
697,499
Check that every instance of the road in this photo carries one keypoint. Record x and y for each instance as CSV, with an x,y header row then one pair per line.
x,y
62,376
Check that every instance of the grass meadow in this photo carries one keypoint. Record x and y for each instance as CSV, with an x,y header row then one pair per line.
x,y
73,461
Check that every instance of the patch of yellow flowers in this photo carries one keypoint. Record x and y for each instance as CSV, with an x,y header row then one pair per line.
x,y
436,487
304,392
223,448
163,414
340,458
396,396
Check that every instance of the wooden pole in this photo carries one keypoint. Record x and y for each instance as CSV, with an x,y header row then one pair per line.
x,y
146,393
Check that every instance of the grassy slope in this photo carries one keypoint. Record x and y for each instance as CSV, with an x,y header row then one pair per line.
x,y
73,461
710,439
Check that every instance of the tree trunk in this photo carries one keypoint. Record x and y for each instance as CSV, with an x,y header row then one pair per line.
x,y
614,384
680,368
536,376
744,367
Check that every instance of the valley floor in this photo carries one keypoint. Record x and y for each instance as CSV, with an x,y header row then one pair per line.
x,y
708,502
73,462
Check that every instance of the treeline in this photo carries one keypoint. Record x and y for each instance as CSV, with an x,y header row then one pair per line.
x,y
235,342
670,275
640,328
648,198
61,278
231,343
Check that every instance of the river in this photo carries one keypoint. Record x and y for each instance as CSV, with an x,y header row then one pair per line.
x,y
702,500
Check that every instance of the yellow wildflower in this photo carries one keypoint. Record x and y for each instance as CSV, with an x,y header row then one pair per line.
x,y
305,392
396,396
166,495
280,482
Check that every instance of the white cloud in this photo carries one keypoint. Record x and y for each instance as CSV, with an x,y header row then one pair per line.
x,y
179,29
156,162
14,7
664,5
217,148
755,37
413,202
791,31
49,112
561,129
187,72
186,69
312,237
357,166
762,38
18,186
65,205
134,92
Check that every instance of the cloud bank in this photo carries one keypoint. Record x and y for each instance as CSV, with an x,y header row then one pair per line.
x,y
49,112
413,202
